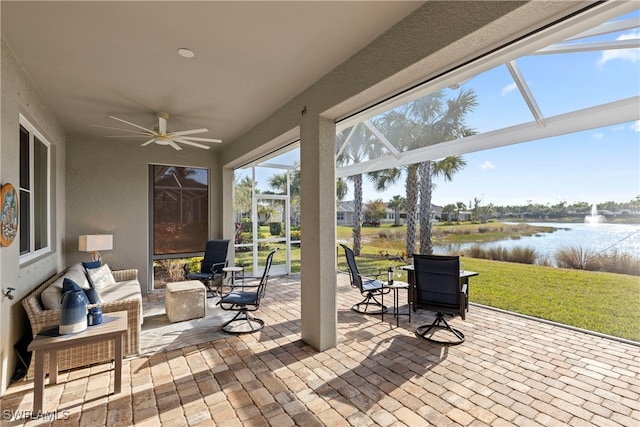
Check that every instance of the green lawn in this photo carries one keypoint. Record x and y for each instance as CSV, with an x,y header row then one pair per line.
x,y
602,302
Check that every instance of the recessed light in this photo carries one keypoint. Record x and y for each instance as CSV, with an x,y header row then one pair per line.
x,y
186,53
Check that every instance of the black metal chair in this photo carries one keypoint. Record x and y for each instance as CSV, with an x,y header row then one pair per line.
x,y
211,273
243,301
369,287
438,288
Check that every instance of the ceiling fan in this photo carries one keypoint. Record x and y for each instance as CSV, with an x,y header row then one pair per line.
x,y
160,135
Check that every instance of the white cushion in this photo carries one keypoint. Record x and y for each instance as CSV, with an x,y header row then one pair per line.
x,y
102,278
77,273
128,289
52,296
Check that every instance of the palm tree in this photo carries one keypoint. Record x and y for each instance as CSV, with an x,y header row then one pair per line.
x,y
439,120
460,206
448,210
397,126
396,203
341,190
426,121
278,182
356,151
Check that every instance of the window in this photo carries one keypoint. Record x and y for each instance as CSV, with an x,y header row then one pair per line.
x,y
34,189
340,216
180,206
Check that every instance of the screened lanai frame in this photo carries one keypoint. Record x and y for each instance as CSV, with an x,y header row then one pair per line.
x,y
283,162
574,35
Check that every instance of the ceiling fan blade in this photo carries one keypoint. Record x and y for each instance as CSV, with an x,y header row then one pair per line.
x,y
134,125
128,136
195,138
144,144
193,144
190,132
174,145
124,130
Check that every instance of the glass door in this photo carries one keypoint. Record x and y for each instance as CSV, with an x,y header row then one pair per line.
x,y
271,230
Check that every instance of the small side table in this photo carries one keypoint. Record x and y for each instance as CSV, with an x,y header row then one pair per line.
x,y
234,271
113,327
395,288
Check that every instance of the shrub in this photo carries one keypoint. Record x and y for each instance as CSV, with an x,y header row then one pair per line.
x,y
247,225
475,251
497,253
578,258
622,263
521,254
275,228
174,269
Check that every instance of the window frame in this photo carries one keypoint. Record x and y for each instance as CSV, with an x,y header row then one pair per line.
x,y
31,252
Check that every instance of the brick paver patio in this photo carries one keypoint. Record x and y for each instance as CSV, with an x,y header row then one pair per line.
x,y
510,371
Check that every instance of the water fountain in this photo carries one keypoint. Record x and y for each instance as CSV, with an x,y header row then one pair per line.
x,y
594,218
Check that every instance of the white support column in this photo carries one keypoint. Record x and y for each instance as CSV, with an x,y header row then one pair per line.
x,y
227,222
318,227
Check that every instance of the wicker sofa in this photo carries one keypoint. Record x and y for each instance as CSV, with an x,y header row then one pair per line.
x,y
127,297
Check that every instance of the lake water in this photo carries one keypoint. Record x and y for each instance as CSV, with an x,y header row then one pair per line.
x,y
625,238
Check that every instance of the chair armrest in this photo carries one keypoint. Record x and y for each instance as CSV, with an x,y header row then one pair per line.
x,y
219,266
370,270
124,275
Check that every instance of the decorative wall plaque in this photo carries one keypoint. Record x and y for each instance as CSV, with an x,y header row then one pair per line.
x,y
9,216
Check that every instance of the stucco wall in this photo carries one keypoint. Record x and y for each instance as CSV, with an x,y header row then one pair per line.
x,y
18,95
107,193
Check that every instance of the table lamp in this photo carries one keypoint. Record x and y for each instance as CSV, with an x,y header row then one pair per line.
x,y
94,243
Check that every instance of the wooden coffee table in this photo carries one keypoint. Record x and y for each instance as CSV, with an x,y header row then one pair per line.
x,y
113,327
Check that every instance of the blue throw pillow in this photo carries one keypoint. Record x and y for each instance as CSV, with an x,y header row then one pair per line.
x,y
88,265
69,285
92,264
92,295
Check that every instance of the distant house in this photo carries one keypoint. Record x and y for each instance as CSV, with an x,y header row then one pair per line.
x,y
344,214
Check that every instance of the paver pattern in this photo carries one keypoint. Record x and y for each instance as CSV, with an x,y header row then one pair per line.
x,y
510,371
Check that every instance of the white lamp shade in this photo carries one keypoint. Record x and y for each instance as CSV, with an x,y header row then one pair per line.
x,y
95,242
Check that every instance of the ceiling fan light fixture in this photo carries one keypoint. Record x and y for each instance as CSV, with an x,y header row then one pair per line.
x,y
186,52
162,140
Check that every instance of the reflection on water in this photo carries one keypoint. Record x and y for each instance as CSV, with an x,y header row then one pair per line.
x,y
604,237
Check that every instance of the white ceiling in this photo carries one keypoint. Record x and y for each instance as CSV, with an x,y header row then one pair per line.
x,y
90,60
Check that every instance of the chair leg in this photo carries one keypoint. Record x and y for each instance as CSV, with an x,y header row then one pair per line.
x,y
213,293
243,323
369,300
439,323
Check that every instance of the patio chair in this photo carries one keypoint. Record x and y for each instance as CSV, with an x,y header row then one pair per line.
x,y
244,301
369,287
211,274
437,288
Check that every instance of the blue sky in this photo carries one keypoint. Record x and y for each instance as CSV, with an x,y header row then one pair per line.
x,y
592,166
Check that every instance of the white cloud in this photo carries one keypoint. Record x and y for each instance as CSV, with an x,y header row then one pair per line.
x,y
635,126
508,89
487,165
618,128
598,136
631,55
